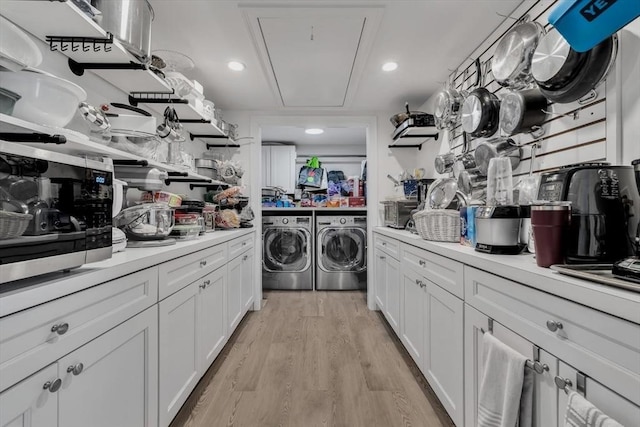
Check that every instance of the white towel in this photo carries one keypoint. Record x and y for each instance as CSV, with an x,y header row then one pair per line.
x,y
582,413
525,418
501,384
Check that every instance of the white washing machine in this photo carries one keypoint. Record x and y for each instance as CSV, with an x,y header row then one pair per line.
x,y
341,252
287,252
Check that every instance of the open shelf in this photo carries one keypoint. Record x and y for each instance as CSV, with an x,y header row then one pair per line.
x,y
80,145
404,136
52,20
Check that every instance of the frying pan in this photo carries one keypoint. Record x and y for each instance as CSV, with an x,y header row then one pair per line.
x,y
521,111
481,109
595,64
512,59
397,119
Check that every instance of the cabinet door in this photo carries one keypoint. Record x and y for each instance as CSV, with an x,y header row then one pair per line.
x,y
392,281
442,361
234,294
178,320
283,167
212,320
612,404
545,392
266,166
412,314
29,404
380,278
113,380
247,280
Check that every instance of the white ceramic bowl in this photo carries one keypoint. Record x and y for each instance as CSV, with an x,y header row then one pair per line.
x,y
46,99
17,50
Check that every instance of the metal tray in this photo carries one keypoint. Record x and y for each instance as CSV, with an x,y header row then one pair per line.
x,y
600,273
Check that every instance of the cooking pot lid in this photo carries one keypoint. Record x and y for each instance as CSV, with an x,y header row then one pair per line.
x,y
549,57
471,113
483,154
508,56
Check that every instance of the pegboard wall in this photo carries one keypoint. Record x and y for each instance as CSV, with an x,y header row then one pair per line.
x,y
573,133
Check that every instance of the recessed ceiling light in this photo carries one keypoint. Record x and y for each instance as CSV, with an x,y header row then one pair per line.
x,y
389,66
313,131
236,66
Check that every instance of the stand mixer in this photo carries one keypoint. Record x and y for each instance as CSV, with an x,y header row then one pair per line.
x,y
629,268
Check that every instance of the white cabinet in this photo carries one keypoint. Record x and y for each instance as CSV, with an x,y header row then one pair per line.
x,y
412,314
442,363
193,330
113,380
380,284
110,381
29,404
279,167
392,280
212,318
247,280
234,293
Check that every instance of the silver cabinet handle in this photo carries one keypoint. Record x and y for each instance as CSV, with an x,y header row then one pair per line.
x,y
60,328
53,386
553,326
244,258
422,263
540,368
76,369
384,243
244,243
203,263
383,257
205,284
562,383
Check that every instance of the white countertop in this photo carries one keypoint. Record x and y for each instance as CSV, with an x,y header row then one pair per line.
x,y
23,294
523,269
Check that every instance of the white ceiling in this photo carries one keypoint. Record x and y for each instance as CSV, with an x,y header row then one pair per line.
x,y
427,38
295,135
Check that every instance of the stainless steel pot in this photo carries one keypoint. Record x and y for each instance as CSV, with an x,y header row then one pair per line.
x,y
444,162
522,111
130,22
503,147
512,59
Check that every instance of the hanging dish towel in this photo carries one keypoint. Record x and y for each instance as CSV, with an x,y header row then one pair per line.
x,y
525,417
501,384
582,413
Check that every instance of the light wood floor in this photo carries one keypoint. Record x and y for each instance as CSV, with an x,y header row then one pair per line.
x,y
313,359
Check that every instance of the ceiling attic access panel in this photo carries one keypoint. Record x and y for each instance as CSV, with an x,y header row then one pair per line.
x,y
312,58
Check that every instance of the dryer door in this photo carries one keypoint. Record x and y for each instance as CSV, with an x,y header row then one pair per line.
x,y
342,249
286,249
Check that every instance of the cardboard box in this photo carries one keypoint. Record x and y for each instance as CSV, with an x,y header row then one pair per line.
x,y
355,202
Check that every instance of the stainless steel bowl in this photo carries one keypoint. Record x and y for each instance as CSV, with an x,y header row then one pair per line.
x,y
148,221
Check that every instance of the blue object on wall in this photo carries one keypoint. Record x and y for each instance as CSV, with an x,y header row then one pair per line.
x,y
585,23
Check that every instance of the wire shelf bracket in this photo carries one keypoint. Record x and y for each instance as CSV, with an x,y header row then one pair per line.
x,y
64,43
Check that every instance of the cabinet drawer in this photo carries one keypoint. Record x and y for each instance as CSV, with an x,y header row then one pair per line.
x,y
239,245
33,338
602,346
444,272
179,272
390,246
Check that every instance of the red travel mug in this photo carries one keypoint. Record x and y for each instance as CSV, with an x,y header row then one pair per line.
x,y
550,224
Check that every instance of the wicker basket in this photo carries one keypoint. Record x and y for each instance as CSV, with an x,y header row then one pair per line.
x,y
441,225
13,224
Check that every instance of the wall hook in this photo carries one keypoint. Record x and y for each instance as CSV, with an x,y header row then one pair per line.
x,y
575,114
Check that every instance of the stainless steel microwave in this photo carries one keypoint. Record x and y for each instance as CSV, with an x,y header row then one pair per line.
x,y
55,211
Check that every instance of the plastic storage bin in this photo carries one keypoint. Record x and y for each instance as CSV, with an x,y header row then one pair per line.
x,y
585,23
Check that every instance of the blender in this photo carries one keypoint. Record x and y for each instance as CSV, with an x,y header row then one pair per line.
x,y
629,268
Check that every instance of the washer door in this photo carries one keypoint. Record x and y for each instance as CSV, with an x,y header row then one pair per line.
x,y
342,249
286,249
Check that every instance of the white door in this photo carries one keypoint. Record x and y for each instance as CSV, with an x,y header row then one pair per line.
x,y
113,380
380,278
178,321
266,166
392,280
212,320
283,167
413,314
443,354
247,280
29,404
612,404
234,294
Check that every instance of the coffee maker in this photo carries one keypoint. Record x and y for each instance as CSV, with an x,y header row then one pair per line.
x,y
629,267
